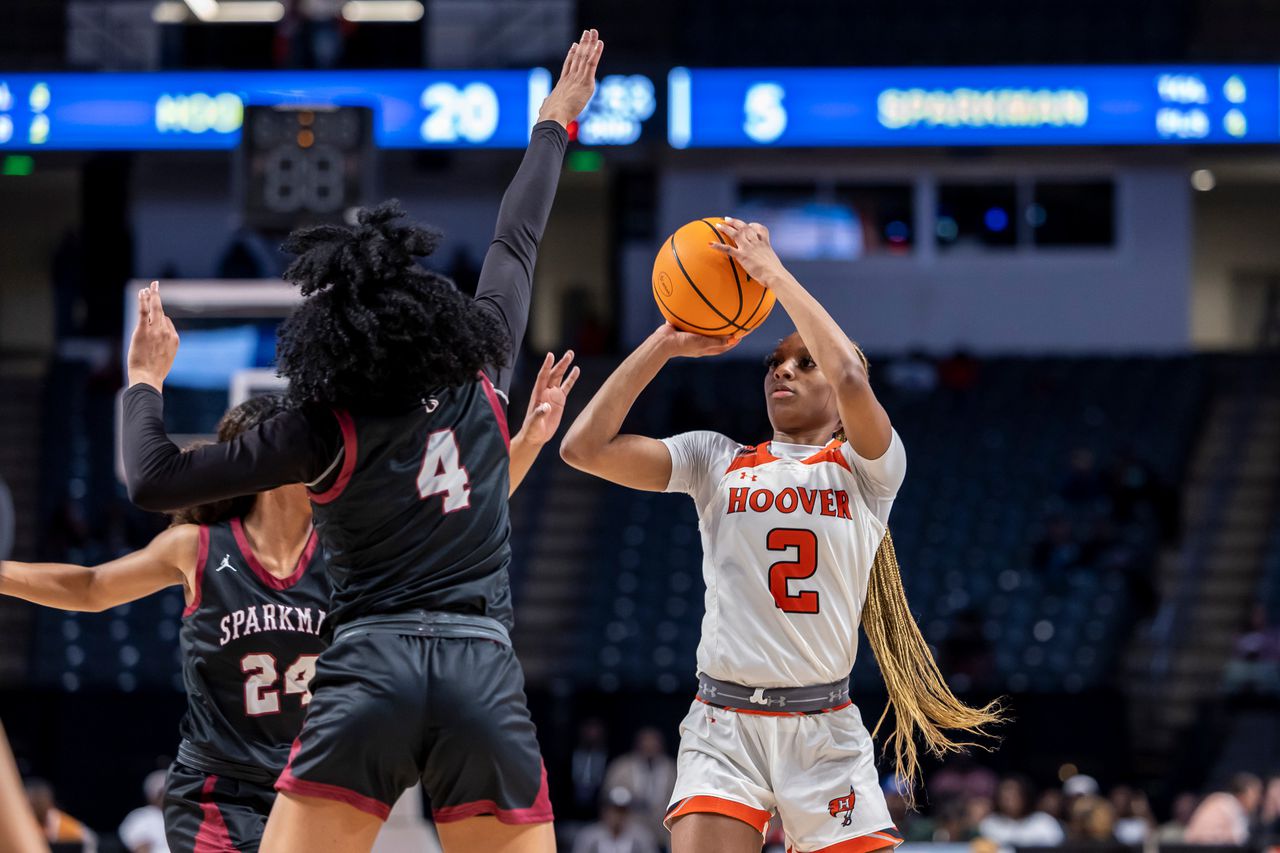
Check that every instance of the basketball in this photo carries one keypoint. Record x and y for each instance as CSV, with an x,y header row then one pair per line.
x,y
704,291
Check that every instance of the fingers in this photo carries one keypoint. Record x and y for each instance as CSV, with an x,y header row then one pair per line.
x,y
567,67
731,228
725,248
572,380
557,372
544,373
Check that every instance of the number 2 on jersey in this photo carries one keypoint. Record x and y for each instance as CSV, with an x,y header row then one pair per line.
x,y
442,472
260,695
805,564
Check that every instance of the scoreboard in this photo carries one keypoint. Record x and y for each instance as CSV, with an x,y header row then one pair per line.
x,y
205,110
1048,105
718,108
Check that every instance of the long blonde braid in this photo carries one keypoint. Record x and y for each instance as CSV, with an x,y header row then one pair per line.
x,y
918,693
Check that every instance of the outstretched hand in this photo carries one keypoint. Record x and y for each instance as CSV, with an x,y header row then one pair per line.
x,y
154,344
751,249
577,81
550,393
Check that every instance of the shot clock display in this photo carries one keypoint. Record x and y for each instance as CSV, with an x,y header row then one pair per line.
x,y
303,165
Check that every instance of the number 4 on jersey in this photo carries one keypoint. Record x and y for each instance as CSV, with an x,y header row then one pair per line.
x,y
442,472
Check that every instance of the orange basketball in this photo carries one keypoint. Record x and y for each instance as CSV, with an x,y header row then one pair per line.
x,y
699,289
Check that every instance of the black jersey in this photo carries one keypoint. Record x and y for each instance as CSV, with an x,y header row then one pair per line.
x,y
249,646
417,517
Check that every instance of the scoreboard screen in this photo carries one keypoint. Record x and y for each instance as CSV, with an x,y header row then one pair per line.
x,y
205,110
1061,105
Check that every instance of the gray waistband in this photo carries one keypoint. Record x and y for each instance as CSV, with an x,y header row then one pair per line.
x,y
428,623
786,700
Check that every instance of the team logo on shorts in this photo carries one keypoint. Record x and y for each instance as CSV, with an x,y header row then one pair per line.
x,y
843,806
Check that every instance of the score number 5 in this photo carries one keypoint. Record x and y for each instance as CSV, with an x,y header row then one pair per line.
x,y
765,114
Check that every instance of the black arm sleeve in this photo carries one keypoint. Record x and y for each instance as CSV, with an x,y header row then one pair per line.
x,y
506,278
289,448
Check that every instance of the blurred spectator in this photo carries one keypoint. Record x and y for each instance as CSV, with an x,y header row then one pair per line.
x,y
616,832
1174,830
1051,802
962,778
953,825
1134,821
59,827
1224,817
1091,820
143,829
958,371
649,775
1014,824
915,373
1269,823
587,765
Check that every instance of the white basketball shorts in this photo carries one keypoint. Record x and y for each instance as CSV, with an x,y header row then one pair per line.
x,y
816,771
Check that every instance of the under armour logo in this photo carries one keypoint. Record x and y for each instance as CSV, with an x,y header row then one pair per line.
x,y
744,475
226,564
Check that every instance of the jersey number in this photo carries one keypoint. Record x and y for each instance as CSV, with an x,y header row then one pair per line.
x,y
804,565
260,695
443,474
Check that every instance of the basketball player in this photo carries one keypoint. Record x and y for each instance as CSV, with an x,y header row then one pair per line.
x,y
794,538
257,597
400,434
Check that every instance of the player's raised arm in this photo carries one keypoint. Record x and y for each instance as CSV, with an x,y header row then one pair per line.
x,y
161,477
865,420
546,407
506,277
593,444
168,561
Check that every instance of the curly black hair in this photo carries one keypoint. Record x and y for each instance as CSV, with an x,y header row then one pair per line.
x,y
239,419
376,331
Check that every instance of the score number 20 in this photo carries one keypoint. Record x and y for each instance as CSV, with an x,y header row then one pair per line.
x,y
467,114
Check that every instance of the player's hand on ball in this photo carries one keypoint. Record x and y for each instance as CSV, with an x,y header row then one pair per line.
x,y
550,393
154,344
752,250
577,81
689,345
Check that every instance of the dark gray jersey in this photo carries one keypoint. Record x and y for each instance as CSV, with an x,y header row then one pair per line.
x,y
249,646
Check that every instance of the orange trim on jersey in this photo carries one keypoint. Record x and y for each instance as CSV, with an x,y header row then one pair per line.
x,y
757,818
830,453
882,839
756,713
750,457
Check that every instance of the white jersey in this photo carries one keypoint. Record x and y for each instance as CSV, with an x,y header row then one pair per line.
x,y
789,534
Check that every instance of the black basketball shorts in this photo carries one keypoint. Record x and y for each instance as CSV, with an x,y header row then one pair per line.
x,y
206,812
390,709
